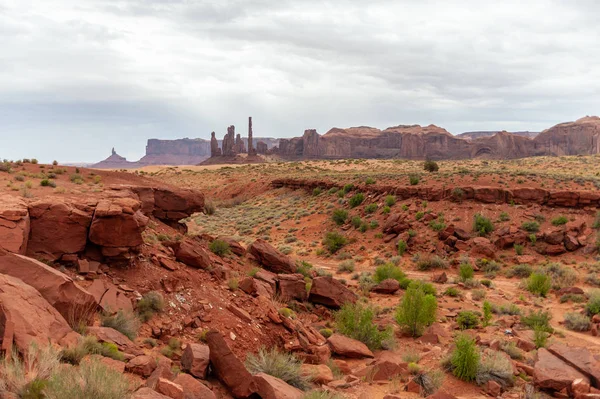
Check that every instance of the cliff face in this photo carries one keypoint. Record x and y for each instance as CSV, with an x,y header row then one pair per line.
x,y
490,133
176,152
433,142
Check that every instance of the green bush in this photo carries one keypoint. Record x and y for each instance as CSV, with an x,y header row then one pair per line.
x,y
417,309
219,247
356,222
388,271
538,319
402,246
487,313
370,181
47,183
577,322
493,366
521,271
482,225
347,188
339,216
467,320
124,322
504,217
356,200
151,303
540,337
89,345
390,200
452,291
465,358
438,224
370,208
431,166
91,379
518,249
429,262
317,191
593,305
531,226
357,321
561,276
334,241
346,266
413,180
419,215
559,221
539,284
326,332
465,271
385,210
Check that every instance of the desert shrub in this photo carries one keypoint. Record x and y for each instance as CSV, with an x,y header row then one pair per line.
x,y
510,348
334,241
458,194
365,282
92,379
452,291
486,282
593,305
417,309
209,207
511,309
370,180
521,271
370,208
219,247
532,238
347,188
47,183
89,345
323,395
576,298
465,358
390,200
467,320
482,225
504,217
317,191
339,216
124,322
430,381
478,295
287,312
152,302
431,166
356,222
577,322
5,167
389,270
413,180
518,249
77,178
487,313
537,319
173,347
23,376
540,337
357,321
385,210
495,367
561,276
438,224
531,226
402,247
465,271
429,262
593,279
347,266
356,200
596,223
559,220
326,332
539,284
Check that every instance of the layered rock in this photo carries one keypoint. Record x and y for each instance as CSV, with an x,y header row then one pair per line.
x,y
14,224
31,318
72,301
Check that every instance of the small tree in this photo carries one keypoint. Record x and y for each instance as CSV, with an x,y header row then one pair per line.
x,y
357,321
417,309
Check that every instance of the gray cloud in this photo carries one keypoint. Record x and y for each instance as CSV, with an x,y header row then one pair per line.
x,y
77,78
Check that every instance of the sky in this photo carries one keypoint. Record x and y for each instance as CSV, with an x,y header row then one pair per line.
x,y
78,77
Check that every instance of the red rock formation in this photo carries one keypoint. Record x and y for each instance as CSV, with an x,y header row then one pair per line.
x,y
215,151
14,224
251,149
261,147
229,142
571,138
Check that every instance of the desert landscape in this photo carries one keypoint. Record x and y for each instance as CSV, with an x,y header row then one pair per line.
x,y
350,278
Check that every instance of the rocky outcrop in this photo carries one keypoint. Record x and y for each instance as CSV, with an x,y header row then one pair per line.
x,y
215,151
483,194
261,147
330,292
348,347
31,318
59,227
14,224
271,258
228,368
229,142
195,360
433,142
72,301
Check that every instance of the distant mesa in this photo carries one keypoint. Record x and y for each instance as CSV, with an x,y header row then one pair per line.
x,y
581,137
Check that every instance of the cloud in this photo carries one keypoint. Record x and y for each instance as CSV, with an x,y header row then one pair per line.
x,y
103,73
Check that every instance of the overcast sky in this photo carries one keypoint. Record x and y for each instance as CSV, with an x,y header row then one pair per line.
x,y
78,77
